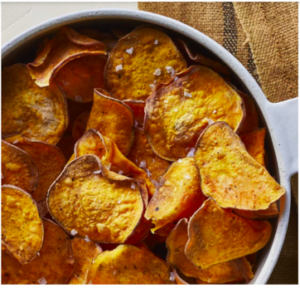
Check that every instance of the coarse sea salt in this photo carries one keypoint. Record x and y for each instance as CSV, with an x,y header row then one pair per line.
x,y
210,121
215,111
119,202
132,186
16,141
179,161
187,94
119,67
78,98
175,110
143,164
155,42
166,101
176,78
42,281
170,70
172,276
73,232
129,51
157,72
187,177
191,152
97,172
121,172
152,86
86,238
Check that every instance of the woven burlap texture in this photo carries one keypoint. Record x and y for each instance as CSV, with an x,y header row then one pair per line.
x,y
264,38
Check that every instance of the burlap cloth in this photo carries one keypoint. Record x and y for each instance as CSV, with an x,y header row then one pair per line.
x,y
264,38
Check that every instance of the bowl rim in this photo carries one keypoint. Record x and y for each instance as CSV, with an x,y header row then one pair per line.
x,y
267,265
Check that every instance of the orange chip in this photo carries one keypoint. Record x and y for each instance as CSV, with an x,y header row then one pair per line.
x,y
79,125
230,175
201,59
179,195
31,111
251,121
65,46
79,77
109,39
92,142
102,209
17,168
230,271
128,265
113,119
143,156
177,113
137,106
141,59
22,231
84,253
54,265
217,236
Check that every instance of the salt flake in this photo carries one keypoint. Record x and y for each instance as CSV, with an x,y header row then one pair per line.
x,y
132,186
42,281
215,111
87,239
191,152
119,67
179,161
16,141
119,202
129,51
121,172
176,78
175,110
155,42
210,121
187,177
166,101
187,94
143,164
115,271
152,86
157,72
172,276
73,232
97,172
170,70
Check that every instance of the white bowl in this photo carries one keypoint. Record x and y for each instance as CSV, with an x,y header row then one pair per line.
x,y
281,119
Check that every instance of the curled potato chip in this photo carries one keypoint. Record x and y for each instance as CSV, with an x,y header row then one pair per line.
x,y
230,271
230,175
128,264
53,265
217,236
84,253
17,168
22,229
141,59
65,46
79,77
113,119
31,111
201,59
179,195
92,142
79,125
104,210
137,106
143,156
177,113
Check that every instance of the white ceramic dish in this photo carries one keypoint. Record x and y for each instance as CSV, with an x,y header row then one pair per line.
x,y
281,119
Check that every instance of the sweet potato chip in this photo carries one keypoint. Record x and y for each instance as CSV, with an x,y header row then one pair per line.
x,y
65,46
84,253
137,106
128,264
22,229
101,209
79,77
201,59
217,236
141,59
113,119
177,113
255,143
179,195
92,142
79,125
18,168
143,156
230,175
251,121
53,265
230,271
31,111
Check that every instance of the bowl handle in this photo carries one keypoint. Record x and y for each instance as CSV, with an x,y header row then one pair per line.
x,y
283,118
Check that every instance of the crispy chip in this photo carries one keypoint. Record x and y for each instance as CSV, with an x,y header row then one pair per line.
x,y
177,113
17,168
128,265
84,253
137,106
99,208
179,195
65,46
143,156
220,273
201,59
113,119
251,121
53,265
140,60
22,229
34,112
217,236
230,175
79,77
79,125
